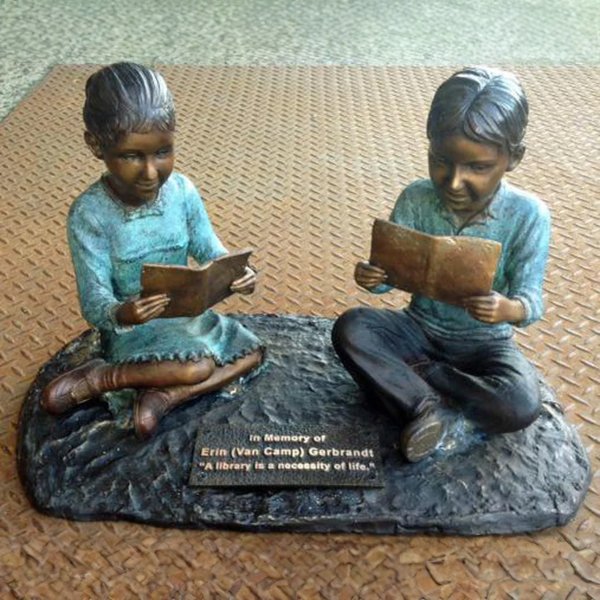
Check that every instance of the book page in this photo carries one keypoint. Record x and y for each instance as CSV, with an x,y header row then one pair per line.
x,y
445,268
463,267
403,253
194,290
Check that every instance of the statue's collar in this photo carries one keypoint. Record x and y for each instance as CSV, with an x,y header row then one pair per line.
x,y
149,209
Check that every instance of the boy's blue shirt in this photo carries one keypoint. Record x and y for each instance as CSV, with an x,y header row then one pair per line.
x,y
516,219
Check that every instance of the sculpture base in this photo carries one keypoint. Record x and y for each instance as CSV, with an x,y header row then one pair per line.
x,y
88,464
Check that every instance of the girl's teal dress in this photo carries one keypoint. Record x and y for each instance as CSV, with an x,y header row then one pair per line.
x,y
110,242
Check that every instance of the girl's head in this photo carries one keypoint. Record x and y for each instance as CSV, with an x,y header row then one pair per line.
x,y
484,105
130,121
126,98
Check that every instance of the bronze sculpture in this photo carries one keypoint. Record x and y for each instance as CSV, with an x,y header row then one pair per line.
x,y
414,360
140,211
87,464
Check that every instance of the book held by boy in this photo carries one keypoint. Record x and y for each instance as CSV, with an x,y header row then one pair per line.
x,y
445,268
193,290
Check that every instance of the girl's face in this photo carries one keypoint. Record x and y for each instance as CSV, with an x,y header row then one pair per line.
x,y
139,165
466,174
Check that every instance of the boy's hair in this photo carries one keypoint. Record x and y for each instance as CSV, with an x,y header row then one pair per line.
x,y
485,105
125,98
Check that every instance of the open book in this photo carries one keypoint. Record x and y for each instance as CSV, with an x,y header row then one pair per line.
x,y
192,291
446,268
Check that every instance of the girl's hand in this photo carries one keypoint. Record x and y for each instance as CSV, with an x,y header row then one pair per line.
x,y
369,276
136,312
494,308
244,284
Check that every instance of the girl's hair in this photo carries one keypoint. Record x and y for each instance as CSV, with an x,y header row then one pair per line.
x,y
485,105
125,98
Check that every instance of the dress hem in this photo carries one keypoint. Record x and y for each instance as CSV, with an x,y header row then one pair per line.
x,y
189,356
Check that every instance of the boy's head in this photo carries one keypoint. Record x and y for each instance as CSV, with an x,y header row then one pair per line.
x,y
485,105
475,128
125,98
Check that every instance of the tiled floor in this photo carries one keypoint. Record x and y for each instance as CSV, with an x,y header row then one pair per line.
x,y
36,34
43,557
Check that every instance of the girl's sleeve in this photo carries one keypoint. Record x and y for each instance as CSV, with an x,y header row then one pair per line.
x,y
527,264
204,243
90,253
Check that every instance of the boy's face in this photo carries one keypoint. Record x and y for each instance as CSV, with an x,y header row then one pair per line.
x,y
138,165
466,174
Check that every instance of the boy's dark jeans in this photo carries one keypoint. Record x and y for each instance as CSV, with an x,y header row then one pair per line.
x,y
491,381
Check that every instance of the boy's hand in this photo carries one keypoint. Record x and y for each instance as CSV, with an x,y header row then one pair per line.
x,y
136,312
369,276
244,284
494,308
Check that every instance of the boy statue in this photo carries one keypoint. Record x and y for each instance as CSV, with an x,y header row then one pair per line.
x,y
408,360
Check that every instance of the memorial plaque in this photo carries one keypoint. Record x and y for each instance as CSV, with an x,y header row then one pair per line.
x,y
286,456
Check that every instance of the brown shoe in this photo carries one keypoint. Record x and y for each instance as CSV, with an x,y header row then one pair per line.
x,y
149,408
71,388
421,437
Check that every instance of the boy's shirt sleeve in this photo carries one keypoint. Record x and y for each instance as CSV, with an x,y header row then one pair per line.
x,y
204,243
403,212
90,254
526,264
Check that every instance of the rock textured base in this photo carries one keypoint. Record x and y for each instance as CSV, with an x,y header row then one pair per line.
x,y
87,464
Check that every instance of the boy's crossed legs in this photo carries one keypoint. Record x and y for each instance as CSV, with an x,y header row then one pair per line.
x,y
491,381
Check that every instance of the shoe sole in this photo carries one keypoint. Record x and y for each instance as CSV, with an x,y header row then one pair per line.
x,y
139,432
423,442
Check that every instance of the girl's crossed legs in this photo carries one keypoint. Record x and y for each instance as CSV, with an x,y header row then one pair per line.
x,y
164,384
